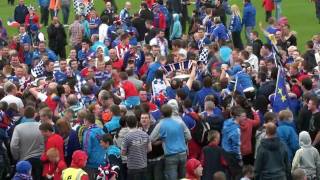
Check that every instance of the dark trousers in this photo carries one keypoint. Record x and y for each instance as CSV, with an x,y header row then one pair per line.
x,y
11,2
268,15
61,51
123,171
44,11
53,13
236,38
92,172
36,168
137,174
155,170
65,13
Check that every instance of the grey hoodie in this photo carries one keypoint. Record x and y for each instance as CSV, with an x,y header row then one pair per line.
x,y
307,157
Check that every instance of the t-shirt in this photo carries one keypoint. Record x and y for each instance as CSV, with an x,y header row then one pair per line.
x,y
314,125
13,99
135,143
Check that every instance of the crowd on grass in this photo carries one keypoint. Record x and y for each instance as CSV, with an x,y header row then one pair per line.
x,y
157,95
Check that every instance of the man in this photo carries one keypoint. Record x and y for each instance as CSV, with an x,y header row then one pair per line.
x,y
272,159
249,18
20,12
161,41
76,32
174,135
79,161
136,144
133,78
151,31
148,59
57,37
11,90
44,11
309,57
52,140
91,145
314,121
231,139
62,75
266,53
124,13
85,53
205,91
108,12
117,63
27,144
256,43
155,157
123,46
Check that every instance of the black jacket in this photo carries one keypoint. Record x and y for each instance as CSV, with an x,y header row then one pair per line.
x,y
146,14
272,160
109,14
256,46
304,119
20,13
267,88
310,60
57,37
139,24
214,160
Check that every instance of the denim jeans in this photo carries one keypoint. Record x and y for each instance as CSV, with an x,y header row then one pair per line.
x,y
248,30
278,10
155,170
65,13
175,166
44,11
137,174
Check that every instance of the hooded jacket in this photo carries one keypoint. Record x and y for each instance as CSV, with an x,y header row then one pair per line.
x,y
191,166
246,127
176,30
249,15
79,159
289,137
307,157
272,160
231,137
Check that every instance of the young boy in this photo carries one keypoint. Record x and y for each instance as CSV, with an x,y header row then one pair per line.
x,y
247,171
112,156
23,171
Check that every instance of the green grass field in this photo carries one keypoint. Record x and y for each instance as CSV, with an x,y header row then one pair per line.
x,y
301,15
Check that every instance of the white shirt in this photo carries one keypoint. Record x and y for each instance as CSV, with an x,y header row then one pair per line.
x,y
163,45
253,61
103,29
13,99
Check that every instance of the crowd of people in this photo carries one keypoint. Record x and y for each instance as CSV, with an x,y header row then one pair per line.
x,y
157,94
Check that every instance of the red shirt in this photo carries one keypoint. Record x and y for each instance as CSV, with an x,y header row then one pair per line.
x,y
268,5
144,69
54,141
52,104
129,89
117,64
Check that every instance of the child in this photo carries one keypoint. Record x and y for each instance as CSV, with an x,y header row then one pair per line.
x,y
112,156
56,165
247,171
23,171
194,169
212,158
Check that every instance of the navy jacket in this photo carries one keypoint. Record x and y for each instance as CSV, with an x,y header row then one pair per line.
x,y
20,13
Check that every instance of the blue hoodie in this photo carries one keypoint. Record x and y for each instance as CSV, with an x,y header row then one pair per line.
x,y
219,32
176,30
231,137
249,15
91,145
289,137
152,69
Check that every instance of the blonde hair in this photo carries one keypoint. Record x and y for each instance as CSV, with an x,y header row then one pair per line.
x,y
285,115
235,10
52,153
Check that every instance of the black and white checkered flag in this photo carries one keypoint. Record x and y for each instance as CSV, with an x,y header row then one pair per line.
x,y
38,71
203,57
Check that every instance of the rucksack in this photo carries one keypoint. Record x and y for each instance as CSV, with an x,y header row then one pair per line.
x,y
200,132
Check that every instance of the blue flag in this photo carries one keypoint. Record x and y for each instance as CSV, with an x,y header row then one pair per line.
x,y
281,98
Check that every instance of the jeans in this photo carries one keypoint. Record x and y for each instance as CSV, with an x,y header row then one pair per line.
x,y
268,15
278,10
175,166
65,13
236,38
137,174
36,168
44,11
248,30
155,170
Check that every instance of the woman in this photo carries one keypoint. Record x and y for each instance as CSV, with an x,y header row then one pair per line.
x,y
71,141
235,27
176,29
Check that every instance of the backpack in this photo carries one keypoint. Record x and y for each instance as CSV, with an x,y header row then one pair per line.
x,y
200,131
